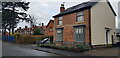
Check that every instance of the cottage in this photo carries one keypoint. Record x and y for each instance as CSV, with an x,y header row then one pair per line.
x,y
42,28
49,28
29,31
89,23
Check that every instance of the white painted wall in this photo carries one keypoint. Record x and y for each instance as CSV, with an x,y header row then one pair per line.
x,y
101,17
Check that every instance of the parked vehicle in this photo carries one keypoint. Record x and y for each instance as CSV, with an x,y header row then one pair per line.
x,y
45,41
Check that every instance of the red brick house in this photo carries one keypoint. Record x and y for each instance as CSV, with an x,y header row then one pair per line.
x,y
42,28
49,28
88,23
30,30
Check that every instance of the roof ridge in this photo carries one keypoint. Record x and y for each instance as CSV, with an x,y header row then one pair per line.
x,y
78,4
86,4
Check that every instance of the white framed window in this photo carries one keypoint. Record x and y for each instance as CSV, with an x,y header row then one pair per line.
x,y
79,33
60,21
59,34
80,16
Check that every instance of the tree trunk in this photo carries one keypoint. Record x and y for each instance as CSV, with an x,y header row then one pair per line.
x,y
12,30
9,30
4,32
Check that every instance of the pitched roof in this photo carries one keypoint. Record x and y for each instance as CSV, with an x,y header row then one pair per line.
x,y
43,27
31,28
49,22
81,6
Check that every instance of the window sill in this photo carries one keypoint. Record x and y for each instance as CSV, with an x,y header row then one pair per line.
x,y
80,22
59,25
79,41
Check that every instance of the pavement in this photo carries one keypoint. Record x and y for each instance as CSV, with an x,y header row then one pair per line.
x,y
104,52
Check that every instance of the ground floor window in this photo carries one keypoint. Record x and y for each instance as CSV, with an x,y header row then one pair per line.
x,y
79,33
59,34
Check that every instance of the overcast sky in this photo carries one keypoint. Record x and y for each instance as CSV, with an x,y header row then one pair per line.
x,y
43,10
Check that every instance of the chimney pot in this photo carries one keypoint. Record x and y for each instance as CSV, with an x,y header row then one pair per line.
x,y
25,26
19,27
33,25
42,24
62,8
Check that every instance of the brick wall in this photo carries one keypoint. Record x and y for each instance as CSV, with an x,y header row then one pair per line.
x,y
68,21
50,25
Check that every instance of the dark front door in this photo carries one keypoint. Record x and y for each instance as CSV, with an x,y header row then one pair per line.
x,y
107,36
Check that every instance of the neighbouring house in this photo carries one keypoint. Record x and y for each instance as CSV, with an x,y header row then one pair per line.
x,y
89,23
42,28
49,28
19,30
30,30
117,39
25,30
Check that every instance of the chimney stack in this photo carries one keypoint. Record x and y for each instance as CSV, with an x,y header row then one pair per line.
x,y
33,25
42,24
62,8
19,27
25,26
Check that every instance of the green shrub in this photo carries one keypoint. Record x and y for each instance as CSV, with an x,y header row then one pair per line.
x,y
81,48
16,35
30,39
27,39
37,32
109,46
77,48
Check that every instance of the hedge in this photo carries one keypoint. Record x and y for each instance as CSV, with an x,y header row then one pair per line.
x,y
28,39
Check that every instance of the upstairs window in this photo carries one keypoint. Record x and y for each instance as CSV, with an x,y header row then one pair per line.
x,y
80,16
60,21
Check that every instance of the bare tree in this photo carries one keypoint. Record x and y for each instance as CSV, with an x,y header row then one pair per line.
x,y
33,20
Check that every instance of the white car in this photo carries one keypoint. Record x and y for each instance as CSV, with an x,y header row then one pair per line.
x,y
45,41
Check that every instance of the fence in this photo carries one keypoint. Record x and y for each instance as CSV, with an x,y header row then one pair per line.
x,y
9,39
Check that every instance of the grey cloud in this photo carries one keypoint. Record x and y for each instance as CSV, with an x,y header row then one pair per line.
x,y
44,11
10,0
119,23
119,15
64,0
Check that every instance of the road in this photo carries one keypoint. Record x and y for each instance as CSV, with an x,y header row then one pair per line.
x,y
14,50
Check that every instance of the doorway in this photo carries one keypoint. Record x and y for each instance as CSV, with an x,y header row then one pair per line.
x,y
107,36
